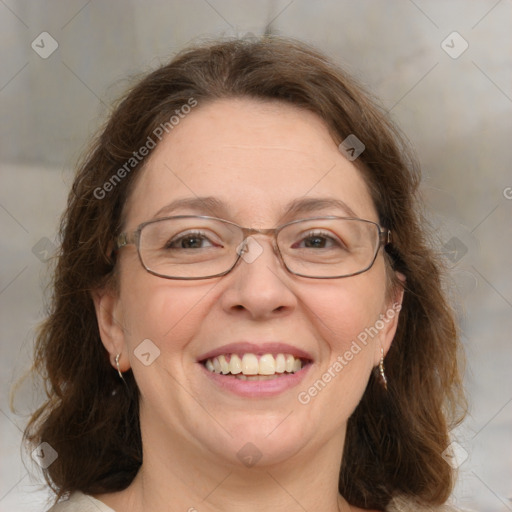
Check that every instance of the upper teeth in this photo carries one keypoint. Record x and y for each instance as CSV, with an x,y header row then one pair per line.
x,y
249,364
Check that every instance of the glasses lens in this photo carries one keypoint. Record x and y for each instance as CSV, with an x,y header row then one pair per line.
x,y
329,247
192,247
189,247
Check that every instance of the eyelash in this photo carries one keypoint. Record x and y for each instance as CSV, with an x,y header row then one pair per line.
x,y
322,234
181,237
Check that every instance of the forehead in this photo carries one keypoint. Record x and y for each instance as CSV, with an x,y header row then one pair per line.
x,y
256,158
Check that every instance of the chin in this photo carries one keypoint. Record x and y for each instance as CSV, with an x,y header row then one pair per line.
x,y
261,441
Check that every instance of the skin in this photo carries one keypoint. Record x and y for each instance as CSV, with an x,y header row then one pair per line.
x,y
255,157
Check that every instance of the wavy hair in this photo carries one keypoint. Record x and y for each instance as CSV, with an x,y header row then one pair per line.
x,y
395,438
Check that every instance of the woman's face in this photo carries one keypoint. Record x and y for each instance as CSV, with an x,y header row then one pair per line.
x,y
255,158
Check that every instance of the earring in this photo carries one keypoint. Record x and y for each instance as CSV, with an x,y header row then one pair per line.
x,y
118,368
383,378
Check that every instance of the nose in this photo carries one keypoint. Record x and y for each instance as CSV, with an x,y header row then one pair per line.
x,y
259,286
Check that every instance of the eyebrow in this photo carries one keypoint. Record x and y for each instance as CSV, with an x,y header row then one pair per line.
x,y
209,205
216,208
315,204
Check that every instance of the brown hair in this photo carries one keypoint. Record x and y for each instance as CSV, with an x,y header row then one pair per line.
x,y
395,438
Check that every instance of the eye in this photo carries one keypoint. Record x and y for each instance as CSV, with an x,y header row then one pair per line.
x,y
319,240
191,240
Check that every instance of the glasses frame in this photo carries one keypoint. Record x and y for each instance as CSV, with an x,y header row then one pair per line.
x,y
133,238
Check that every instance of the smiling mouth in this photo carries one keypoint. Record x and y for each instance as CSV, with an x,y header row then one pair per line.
x,y
250,366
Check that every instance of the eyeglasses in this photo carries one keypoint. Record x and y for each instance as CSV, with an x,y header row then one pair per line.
x,y
201,247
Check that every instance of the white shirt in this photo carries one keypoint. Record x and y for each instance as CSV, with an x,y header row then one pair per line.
x,y
79,502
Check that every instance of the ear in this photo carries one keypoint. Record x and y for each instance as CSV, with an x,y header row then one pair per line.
x,y
389,319
110,323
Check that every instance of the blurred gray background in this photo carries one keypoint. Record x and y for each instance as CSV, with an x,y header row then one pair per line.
x,y
64,62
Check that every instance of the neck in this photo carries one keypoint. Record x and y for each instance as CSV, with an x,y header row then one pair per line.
x,y
179,477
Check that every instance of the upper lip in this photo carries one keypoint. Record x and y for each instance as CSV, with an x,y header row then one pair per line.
x,y
261,348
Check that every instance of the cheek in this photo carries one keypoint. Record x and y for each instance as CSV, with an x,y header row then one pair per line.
x,y
348,346
345,314
166,312
345,311
343,318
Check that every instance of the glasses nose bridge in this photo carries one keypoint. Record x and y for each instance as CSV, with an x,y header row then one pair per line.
x,y
268,232
254,231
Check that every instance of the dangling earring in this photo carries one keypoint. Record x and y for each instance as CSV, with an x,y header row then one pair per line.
x,y
383,378
118,368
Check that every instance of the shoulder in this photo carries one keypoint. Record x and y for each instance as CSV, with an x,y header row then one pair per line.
x,y
405,504
79,502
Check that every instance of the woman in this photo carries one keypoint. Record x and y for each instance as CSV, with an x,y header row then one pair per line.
x,y
246,314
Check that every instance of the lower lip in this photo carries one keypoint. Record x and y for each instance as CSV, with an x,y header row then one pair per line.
x,y
256,388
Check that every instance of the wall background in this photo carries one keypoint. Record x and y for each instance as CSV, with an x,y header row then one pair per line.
x,y
455,108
